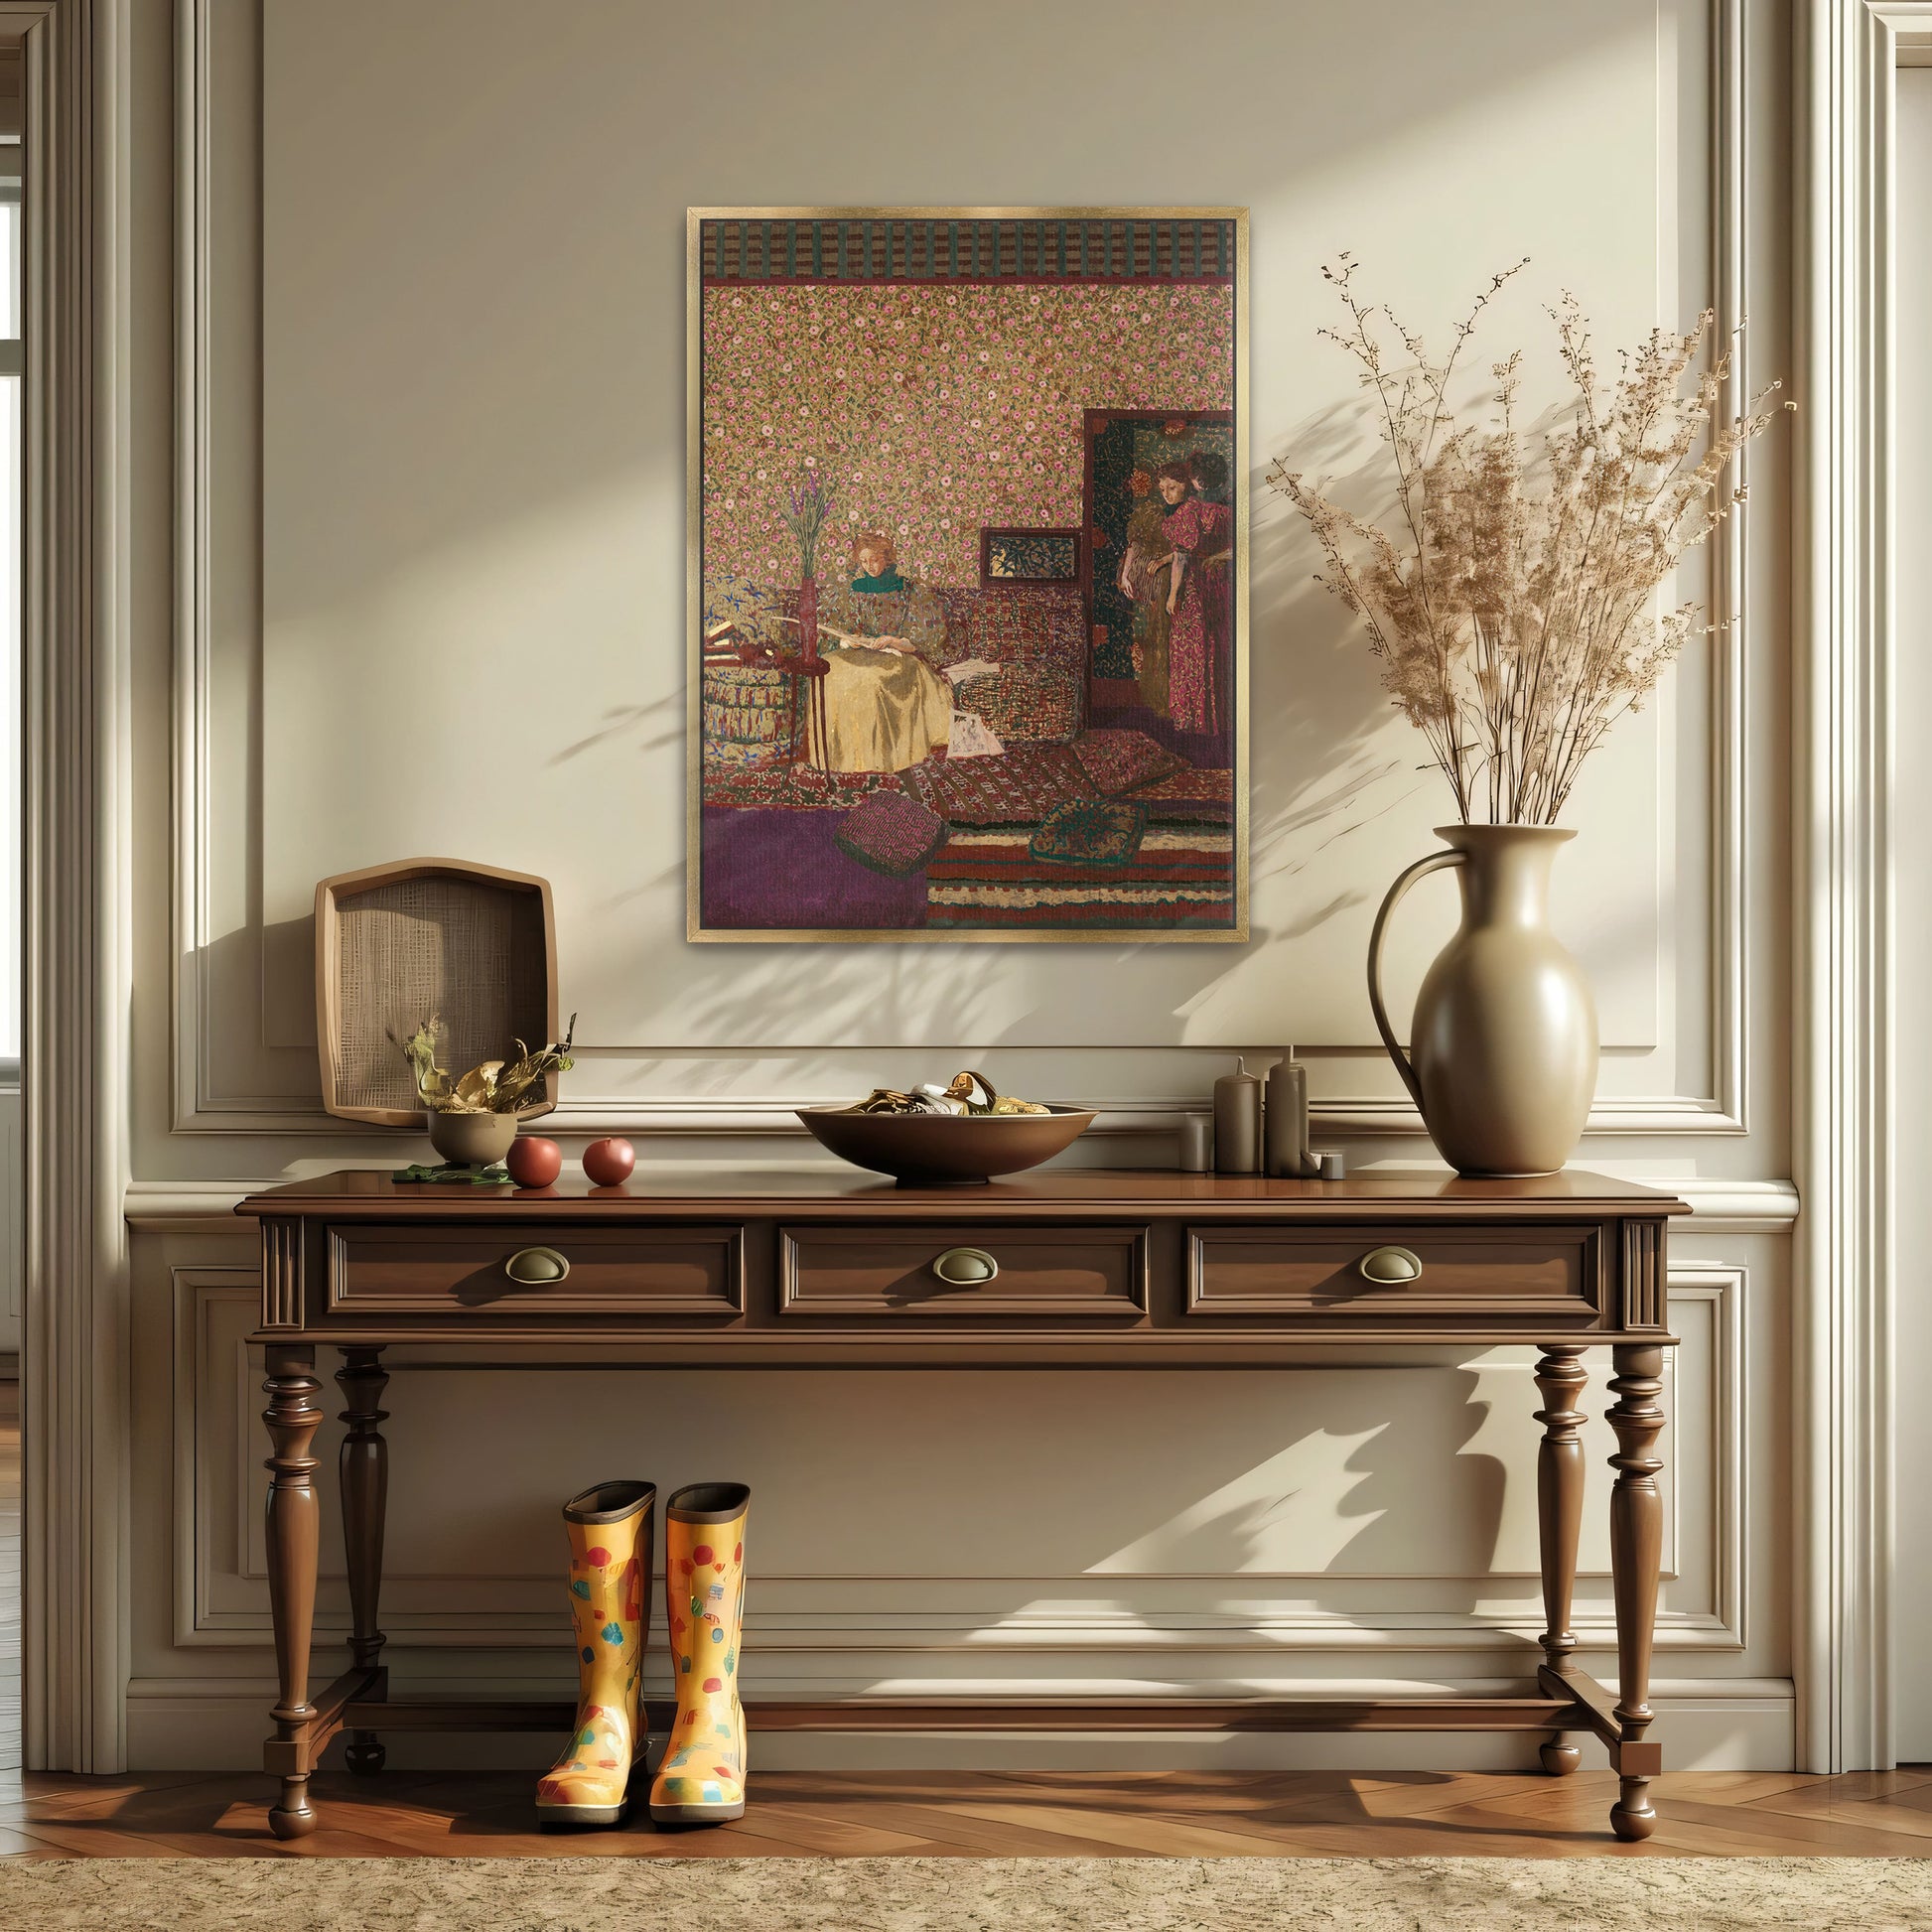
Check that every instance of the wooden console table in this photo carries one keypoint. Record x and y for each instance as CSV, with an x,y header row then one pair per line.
x,y
1071,1268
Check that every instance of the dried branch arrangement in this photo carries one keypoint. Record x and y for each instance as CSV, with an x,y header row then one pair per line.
x,y
495,1087
1511,601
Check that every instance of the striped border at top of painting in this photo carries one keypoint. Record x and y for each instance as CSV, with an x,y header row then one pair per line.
x,y
695,284
961,246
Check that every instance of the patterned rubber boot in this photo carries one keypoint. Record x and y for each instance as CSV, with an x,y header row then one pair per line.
x,y
701,1780
610,1529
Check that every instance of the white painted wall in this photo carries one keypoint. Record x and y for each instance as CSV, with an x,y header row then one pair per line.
x,y
443,402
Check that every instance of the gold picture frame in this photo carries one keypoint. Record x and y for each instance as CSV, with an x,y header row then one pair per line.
x,y
904,247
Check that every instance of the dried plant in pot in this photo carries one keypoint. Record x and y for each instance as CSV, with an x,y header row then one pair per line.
x,y
1511,603
473,1119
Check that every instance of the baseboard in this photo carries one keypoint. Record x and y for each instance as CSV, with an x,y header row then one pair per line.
x,y
175,1724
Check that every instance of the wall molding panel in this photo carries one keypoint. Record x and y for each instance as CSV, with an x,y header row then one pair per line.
x,y
1730,271
220,1581
192,1023
202,1104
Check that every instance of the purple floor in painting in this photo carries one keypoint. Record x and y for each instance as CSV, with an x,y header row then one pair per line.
x,y
773,869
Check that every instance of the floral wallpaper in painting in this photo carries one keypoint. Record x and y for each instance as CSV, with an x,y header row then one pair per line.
x,y
938,410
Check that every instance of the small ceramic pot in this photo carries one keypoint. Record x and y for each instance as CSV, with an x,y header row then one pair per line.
x,y
472,1140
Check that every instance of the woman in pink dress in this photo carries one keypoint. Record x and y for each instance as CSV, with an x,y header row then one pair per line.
x,y
1199,604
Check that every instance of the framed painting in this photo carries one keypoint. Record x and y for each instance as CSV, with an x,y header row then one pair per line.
x,y
1030,556
967,577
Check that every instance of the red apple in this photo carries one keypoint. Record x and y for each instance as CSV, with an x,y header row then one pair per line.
x,y
607,1164
534,1162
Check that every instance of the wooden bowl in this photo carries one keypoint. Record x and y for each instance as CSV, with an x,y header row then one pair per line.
x,y
946,1149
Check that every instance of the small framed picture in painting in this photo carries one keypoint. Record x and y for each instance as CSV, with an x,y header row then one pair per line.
x,y
1030,556
966,575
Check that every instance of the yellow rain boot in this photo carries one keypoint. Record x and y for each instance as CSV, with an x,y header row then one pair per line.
x,y
610,1532
701,1780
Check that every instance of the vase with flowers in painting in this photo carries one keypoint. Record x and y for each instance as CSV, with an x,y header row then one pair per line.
x,y
808,615
808,500
1512,609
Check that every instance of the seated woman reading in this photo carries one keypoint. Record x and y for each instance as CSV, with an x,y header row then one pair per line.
x,y
887,707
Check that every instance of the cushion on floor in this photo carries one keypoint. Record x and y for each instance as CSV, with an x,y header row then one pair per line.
x,y
1090,832
891,833
1120,761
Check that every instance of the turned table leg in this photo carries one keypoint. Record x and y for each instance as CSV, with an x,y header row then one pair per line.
x,y
1636,1554
1559,1381
823,757
365,1493
292,1417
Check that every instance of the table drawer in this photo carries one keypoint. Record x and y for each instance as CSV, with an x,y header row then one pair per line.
x,y
1488,1275
375,1269
1092,1273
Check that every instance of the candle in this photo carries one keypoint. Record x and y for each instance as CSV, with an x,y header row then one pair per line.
x,y
1237,1122
1196,1144
1284,1121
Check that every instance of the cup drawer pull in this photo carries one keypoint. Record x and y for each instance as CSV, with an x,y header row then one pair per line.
x,y
536,1267
1389,1267
965,1267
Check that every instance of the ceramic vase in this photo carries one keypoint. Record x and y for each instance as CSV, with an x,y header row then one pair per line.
x,y
1502,1059
472,1140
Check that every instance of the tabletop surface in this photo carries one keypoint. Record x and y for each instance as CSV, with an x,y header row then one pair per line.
x,y
364,1189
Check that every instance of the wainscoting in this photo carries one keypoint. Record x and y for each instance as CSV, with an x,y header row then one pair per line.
x,y
1333,1526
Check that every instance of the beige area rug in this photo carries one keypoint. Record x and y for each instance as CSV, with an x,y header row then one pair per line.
x,y
296,1894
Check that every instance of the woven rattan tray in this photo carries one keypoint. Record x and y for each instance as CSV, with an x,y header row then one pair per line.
x,y
396,943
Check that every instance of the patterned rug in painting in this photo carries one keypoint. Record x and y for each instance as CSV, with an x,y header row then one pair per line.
x,y
966,515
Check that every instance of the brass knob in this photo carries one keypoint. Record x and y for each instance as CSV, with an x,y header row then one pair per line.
x,y
1388,1267
965,1267
536,1267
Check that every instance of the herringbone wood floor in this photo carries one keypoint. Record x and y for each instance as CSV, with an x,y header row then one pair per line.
x,y
984,1814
